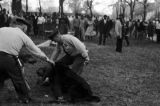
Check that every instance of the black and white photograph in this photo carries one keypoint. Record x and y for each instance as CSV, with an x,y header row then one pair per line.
x,y
79,52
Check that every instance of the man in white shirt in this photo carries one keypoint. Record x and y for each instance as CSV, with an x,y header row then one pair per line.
x,y
118,32
12,39
76,54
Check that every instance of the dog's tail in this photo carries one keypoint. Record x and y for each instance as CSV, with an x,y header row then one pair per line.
x,y
93,99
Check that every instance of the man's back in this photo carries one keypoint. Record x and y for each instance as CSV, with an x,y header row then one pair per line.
x,y
10,40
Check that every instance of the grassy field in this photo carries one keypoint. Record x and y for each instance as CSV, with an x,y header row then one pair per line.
x,y
128,79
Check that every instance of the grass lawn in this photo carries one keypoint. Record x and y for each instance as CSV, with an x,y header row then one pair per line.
x,y
128,79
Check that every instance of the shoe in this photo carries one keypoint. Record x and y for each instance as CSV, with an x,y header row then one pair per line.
x,y
24,100
61,100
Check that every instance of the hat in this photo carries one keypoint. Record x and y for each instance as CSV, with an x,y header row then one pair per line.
x,y
15,20
54,33
105,16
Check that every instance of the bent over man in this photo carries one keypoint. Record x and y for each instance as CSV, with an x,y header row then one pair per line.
x,y
76,54
12,39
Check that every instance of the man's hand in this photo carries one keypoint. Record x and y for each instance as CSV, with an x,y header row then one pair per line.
x,y
50,61
86,61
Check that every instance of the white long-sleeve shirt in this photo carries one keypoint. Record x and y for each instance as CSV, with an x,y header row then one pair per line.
x,y
13,39
118,28
73,46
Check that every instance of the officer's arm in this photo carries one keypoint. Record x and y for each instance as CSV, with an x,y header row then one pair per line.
x,y
32,47
56,53
47,44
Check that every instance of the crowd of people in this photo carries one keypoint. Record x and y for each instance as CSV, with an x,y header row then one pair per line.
x,y
80,27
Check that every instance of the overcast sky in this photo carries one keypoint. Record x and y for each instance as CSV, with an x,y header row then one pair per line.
x,y
103,6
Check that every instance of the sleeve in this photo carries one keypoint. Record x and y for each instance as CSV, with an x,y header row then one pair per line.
x,y
116,28
45,44
81,48
29,44
56,53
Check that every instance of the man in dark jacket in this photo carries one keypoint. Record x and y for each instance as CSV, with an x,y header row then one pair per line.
x,y
103,26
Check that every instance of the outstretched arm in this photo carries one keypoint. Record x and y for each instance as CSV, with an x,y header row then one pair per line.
x,y
56,53
46,43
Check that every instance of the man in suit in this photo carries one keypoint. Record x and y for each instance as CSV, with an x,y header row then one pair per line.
x,y
103,25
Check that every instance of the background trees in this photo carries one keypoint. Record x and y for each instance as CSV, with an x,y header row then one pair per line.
x,y
16,7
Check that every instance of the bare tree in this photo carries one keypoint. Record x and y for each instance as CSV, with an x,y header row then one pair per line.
x,y
131,4
75,5
90,5
145,5
26,5
16,7
40,7
123,6
61,7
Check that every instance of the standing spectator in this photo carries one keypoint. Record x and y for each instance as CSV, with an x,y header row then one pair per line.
x,y
71,22
76,25
82,30
85,23
158,31
96,22
150,30
41,21
125,32
35,25
3,18
118,30
63,25
103,30
109,27
90,32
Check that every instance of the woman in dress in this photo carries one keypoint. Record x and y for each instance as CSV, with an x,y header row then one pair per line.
x,y
90,32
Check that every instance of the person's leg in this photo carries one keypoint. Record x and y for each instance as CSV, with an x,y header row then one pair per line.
x,y
100,39
119,45
127,41
104,38
78,65
15,73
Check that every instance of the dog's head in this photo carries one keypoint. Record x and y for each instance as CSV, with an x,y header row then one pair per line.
x,y
27,58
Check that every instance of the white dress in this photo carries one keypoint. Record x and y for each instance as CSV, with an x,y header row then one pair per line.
x,y
90,31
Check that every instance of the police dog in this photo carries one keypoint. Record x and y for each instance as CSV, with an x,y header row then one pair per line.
x,y
63,79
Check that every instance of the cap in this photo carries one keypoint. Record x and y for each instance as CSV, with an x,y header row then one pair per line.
x,y
54,33
16,20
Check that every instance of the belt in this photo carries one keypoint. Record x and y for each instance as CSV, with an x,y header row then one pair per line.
x,y
12,56
6,54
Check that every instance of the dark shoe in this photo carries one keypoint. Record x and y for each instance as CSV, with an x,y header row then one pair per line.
x,y
24,100
61,100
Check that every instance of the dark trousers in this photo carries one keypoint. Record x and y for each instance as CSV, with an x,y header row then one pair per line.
x,y
158,35
102,38
67,82
9,68
126,39
76,63
77,32
119,44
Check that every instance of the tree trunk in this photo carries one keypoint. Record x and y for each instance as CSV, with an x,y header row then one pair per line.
x,y
26,6
16,7
40,7
131,13
61,7
144,12
91,11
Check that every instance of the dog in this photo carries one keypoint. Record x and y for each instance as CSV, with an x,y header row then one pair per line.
x,y
63,79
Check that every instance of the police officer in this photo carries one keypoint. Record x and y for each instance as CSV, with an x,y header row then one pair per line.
x,y
12,39
76,54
